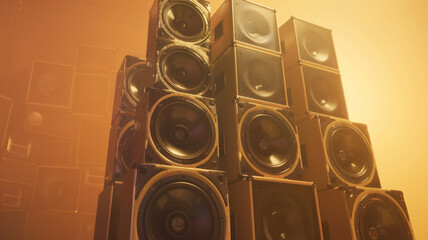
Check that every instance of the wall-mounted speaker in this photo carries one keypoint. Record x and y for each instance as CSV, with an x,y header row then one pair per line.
x,y
176,129
305,42
337,152
161,202
251,75
364,214
268,208
312,90
243,22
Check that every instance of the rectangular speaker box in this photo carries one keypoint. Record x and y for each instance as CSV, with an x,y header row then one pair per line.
x,y
305,42
250,75
243,22
95,59
337,152
156,198
315,91
44,225
18,171
14,196
92,185
269,208
108,212
364,213
57,189
13,224
120,147
50,84
5,113
176,129
258,140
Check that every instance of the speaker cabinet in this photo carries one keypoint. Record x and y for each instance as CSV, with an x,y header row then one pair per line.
x,y
364,213
251,75
315,91
108,212
12,224
337,152
17,171
258,140
176,129
14,196
45,225
163,202
5,113
268,208
305,42
243,22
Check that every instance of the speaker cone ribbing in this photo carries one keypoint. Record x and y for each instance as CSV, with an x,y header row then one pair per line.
x,y
182,130
349,153
323,93
269,141
185,21
379,217
184,70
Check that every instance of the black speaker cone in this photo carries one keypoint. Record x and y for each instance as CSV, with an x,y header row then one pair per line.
x,y
185,21
135,81
254,25
350,153
269,141
379,218
184,70
324,93
182,130
262,79
316,46
179,210
125,145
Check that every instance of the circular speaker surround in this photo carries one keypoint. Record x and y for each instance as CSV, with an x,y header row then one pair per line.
x,y
324,94
185,20
135,81
268,142
182,130
184,69
349,153
178,204
316,46
377,216
124,147
255,26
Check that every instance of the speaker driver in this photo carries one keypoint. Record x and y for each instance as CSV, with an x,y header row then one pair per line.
x,y
185,70
136,80
183,130
269,141
324,94
261,78
316,46
186,21
349,153
254,25
125,145
379,217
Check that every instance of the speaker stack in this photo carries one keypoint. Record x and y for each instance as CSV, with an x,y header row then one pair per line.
x,y
336,152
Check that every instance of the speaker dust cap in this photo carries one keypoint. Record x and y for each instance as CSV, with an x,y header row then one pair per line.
x,y
185,20
184,69
380,217
315,44
256,25
269,141
183,130
349,153
260,76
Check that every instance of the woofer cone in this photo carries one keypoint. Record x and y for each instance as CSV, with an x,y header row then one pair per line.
x,y
185,70
186,21
255,26
136,79
262,79
379,217
324,94
179,209
349,153
269,141
182,130
125,146
316,46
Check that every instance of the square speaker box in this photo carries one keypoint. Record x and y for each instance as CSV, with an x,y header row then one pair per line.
x,y
165,202
57,189
313,91
364,213
13,224
44,225
17,171
337,152
5,113
243,22
306,42
250,75
258,140
92,185
108,212
268,208
176,129
14,196
180,21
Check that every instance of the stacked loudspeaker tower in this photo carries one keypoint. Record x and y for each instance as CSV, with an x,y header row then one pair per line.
x,y
189,137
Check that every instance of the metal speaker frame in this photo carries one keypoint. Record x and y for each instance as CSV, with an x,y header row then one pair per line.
x,y
148,183
270,208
